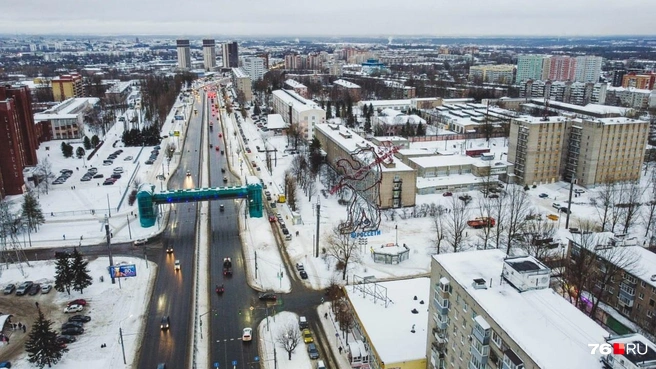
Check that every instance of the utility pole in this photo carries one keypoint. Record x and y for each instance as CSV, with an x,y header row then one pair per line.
x,y
120,333
569,202
316,247
255,264
129,230
109,249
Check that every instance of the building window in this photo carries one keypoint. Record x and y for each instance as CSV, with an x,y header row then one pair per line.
x,y
641,296
643,284
496,339
649,313
651,302
464,307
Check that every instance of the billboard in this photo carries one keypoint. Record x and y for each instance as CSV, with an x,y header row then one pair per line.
x,y
125,270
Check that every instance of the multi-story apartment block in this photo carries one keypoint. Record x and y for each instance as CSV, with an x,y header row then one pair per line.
x,y
502,73
230,55
631,292
343,88
588,68
529,67
184,54
639,81
559,68
568,92
490,311
637,352
254,67
18,142
628,97
242,83
397,180
67,118
545,150
66,86
209,54
295,109
298,87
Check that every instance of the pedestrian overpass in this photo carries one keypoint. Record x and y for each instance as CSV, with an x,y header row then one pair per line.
x,y
148,199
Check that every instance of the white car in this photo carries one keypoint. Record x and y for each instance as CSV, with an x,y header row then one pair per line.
x,y
46,288
141,241
74,309
177,265
247,335
118,170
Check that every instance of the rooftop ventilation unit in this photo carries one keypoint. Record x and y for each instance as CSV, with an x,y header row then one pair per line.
x,y
479,284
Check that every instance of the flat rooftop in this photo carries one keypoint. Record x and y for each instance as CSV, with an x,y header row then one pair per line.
x,y
389,328
550,330
299,103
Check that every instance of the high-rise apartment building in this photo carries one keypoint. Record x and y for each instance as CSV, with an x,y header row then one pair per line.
x,y
230,55
489,311
502,73
242,82
639,81
184,54
255,67
545,150
66,86
209,54
559,68
568,92
529,67
588,68
18,142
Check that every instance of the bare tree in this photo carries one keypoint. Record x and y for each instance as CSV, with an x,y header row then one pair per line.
x,y
631,199
649,218
518,208
289,337
498,212
170,151
457,219
311,187
44,173
136,182
485,206
343,248
605,202
578,269
538,237
290,190
439,226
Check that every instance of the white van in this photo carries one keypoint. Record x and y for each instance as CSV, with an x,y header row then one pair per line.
x,y
320,364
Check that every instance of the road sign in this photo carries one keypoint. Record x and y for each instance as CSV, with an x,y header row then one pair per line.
x,y
216,365
257,358
234,362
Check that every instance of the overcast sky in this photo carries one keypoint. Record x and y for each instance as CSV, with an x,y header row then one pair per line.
x,y
331,17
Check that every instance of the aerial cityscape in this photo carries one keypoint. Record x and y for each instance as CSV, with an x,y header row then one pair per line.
x,y
346,191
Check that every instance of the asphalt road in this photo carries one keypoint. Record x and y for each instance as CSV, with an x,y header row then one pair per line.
x,y
172,293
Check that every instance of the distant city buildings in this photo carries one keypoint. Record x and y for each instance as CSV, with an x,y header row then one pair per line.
x,y
502,73
558,68
67,86
230,55
209,54
184,54
255,67
592,151
18,142
568,92
242,82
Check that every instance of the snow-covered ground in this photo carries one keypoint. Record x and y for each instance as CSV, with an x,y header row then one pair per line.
x,y
110,306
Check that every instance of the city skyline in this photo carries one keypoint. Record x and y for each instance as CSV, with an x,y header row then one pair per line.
x,y
339,18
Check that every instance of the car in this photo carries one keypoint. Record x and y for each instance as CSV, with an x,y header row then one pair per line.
x,y
300,267
82,302
253,163
447,194
177,265
553,217
493,196
188,173
556,205
73,309
69,171
564,209
149,162
312,350
161,366
222,170
302,322
272,218
34,289
98,176
217,148
225,179
92,170
579,191
72,331
141,241
72,325
268,296
220,135
116,176
23,288
46,288
107,163
248,150
128,158
165,323
285,231
303,274
307,336
465,198
9,289
247,334
169,250
118,170
65,339
85,179
80,318
288,237
5,364
221,207
108,183
543,196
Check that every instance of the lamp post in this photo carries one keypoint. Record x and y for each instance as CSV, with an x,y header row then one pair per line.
x,y
109,249
396,227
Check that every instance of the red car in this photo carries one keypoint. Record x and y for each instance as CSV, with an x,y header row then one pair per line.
x,y
82,302
272,218
447,194
217,148
220,135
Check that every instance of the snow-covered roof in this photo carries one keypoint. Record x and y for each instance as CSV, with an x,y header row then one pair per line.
x,y
294,84
275,121
443,160
646,353
540,321
628,89
450,180
345,84
401,119
299,103
378,103
389,328
67,109
239,73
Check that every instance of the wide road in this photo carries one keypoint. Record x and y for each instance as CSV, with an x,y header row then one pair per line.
x,y
172,293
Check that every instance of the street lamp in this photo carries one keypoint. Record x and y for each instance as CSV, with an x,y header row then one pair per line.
x,y
396,227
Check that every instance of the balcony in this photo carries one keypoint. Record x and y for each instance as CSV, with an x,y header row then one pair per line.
x,y
627,295
441,324
626,302
441,307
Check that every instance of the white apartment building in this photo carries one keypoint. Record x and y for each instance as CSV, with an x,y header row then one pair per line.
x,y
588,68
295,109
628,97
254,67
298,87
242,82
67,118
488,311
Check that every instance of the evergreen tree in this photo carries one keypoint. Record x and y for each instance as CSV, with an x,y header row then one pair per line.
x,y
41,345
420,130
367,124
79,152
67,150
408,130
87,143
316,159
95,140
364,110
81,277
63,148
32,212
63,274
329,110
256,108
371,109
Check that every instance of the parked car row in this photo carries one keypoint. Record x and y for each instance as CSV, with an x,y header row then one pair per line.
x,y
153,155
27,288
63,176
91,173
73,327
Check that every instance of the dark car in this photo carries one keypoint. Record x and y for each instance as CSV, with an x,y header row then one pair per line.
x,y
98,175
165,323
65,339
543,196
285,231
465,198
149,162
5,364
72,331
72,325
10,289
34,289
79,318
116,175
303,274
268,296
312,350
564,209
